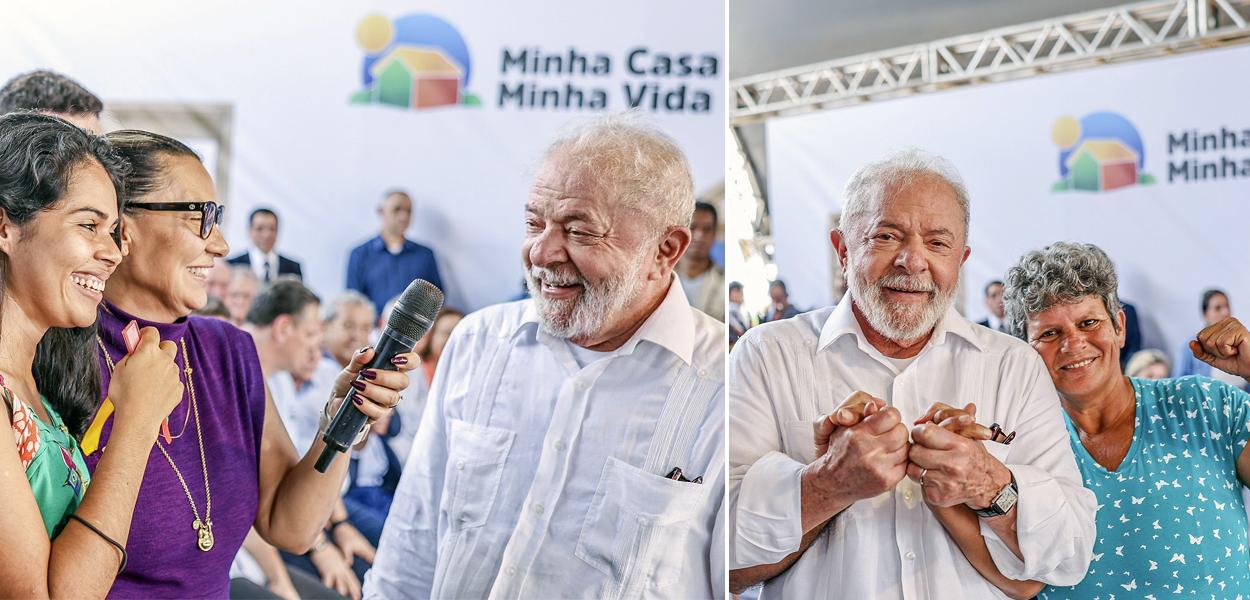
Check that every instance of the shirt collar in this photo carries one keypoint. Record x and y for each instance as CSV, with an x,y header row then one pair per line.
x,y
841,322
269,256
380,244
670,325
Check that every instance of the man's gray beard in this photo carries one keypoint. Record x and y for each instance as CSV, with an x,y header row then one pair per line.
x,y
891,321
587,314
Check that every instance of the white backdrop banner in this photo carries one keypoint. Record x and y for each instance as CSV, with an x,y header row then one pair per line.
x,y
452,100
1149,160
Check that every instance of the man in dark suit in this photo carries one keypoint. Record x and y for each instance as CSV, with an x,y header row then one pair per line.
x,y
260,254
994,304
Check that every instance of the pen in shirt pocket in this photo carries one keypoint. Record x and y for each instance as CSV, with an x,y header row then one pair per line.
x,y
677,475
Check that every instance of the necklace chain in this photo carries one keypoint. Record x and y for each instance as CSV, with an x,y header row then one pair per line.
x,y
204,529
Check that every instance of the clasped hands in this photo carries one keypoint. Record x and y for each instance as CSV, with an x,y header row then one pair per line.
x,y
865,449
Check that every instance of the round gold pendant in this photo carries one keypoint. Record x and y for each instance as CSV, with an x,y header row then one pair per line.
x,y
205,541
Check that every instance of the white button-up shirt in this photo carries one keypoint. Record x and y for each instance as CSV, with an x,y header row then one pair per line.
x,y
784,375
258,260
532,477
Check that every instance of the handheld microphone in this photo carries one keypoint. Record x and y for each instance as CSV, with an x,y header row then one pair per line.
x,y
411,318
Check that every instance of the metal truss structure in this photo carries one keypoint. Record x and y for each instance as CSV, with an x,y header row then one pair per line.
x,y
1132,31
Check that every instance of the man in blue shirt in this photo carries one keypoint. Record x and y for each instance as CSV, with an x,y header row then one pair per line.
x,y
382,267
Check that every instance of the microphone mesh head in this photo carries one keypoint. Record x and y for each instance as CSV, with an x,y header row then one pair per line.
x,y
416,308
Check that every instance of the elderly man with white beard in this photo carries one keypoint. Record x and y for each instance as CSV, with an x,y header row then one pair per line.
x,y
859,509
572,444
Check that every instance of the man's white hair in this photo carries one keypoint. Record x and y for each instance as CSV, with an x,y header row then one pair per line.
x,y
243,272
895,171
333,308
633,161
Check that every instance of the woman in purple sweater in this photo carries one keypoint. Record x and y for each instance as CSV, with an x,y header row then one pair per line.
x,y
225,462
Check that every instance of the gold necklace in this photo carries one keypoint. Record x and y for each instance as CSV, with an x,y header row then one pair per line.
x,y
204,528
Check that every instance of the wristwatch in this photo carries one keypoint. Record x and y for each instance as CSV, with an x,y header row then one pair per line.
x,y
1003,501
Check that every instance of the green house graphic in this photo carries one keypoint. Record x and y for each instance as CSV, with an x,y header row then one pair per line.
x,y
1101,165
416,77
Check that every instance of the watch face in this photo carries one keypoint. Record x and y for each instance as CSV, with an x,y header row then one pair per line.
x,y
1006,499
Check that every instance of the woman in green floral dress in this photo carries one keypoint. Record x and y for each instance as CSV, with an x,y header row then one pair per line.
x,y
59,190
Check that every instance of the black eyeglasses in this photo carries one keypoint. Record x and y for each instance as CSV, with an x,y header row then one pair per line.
x,y
210,212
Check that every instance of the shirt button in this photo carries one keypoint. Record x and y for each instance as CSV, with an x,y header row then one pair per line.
x,y
560,445
910,556
538,508
908,495
460,465
510,571
702,372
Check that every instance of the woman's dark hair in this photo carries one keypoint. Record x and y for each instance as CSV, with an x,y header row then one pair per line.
x,y
146,153
38,157
1207,295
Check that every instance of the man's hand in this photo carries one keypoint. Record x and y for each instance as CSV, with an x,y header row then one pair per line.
x,y
336,573
864,459
284,589
1225,346
953,469
853,410
353,543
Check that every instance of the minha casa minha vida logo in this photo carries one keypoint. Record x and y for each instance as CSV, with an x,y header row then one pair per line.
x,y
420,61
1103,151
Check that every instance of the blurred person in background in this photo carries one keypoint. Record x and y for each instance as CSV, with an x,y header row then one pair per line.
x,y
285,323
404,424
430,349
1215,308
1150,363
780,308
703,281
348,320
736,316
261,254
994,305
219,281
382,267
54,94
243,287
214,308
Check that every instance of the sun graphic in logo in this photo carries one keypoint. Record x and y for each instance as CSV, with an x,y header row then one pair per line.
x,y
417,61
1100,152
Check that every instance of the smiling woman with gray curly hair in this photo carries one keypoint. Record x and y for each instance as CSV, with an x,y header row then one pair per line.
x,y
1149,449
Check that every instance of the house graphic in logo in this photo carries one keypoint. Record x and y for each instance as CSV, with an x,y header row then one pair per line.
x,y
416,62
1100,152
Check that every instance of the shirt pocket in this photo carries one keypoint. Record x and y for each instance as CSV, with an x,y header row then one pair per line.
x,y
476,456
637,527
800,440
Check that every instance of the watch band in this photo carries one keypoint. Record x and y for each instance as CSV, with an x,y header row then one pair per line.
x,y
1003,502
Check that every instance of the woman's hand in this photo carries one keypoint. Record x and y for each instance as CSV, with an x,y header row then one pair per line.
x,y
1225,346
962,421
378,391
145,386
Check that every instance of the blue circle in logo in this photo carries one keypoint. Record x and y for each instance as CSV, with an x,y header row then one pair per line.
x,y
423,30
